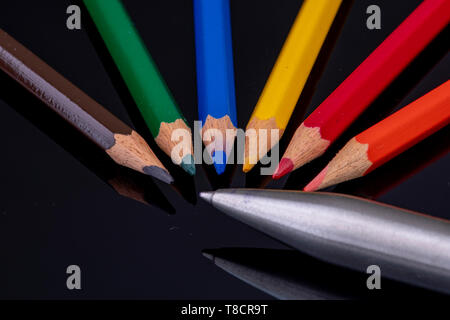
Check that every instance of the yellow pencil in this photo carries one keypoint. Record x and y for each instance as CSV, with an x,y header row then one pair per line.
x,y
288,77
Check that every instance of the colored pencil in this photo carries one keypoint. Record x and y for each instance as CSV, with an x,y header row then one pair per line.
x,y
127,183
121,143
291,275
425,154
215,78
387,139
348,231
143,79
288,77
362,87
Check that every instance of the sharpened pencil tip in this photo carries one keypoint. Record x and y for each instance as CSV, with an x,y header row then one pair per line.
x,y
207,196
316,183
188,164
208,254
220,161
159,174
284,167
220,168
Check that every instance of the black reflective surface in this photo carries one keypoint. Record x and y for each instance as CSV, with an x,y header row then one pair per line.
x,y
59,199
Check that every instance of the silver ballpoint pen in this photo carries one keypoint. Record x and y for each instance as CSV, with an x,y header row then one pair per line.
x,y
352,232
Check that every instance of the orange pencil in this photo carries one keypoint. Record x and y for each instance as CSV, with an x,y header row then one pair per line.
x,y
387,139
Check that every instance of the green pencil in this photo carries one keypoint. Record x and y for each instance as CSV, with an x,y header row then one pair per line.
x,y
143,79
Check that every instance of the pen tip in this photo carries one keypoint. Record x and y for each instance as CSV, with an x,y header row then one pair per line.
x,y
284,167
207,196
188,164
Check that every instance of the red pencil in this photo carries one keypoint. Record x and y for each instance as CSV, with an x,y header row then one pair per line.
x,y
363,86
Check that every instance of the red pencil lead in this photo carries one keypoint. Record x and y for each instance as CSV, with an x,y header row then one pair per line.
x,y
284,167
316,183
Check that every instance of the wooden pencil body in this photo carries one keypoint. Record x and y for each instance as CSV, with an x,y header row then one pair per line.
x,y
142,77
58,93
215,78
292,69
119,141
407,127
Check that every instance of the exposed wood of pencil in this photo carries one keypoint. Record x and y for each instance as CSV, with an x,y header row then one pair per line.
x,y
309,145
375,73
387,139
133,152
175,139
260,137
123,144
227,130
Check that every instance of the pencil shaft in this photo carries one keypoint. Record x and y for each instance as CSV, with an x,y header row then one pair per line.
x,y
215,71
348,231
295,62
215,78
58,93
120,142
407,126
383,65
290,73
134,62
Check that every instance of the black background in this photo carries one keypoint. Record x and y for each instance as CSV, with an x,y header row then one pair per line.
x,y
55,211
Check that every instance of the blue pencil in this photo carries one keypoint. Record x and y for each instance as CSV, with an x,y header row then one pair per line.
x,y
215,78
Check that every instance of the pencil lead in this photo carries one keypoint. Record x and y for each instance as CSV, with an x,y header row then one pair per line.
x,y
207,196
318,182
284,167
247,166
208,255
220,161
158,173
188,164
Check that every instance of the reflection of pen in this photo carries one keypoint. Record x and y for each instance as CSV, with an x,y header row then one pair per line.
x,y
290,275
348,231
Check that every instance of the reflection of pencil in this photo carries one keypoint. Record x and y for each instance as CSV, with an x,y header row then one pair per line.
x,y
362,87
215,78
348,231
143,79
387,139
120,142
289,76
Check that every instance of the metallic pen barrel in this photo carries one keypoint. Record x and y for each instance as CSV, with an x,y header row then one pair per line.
x,y
348,231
